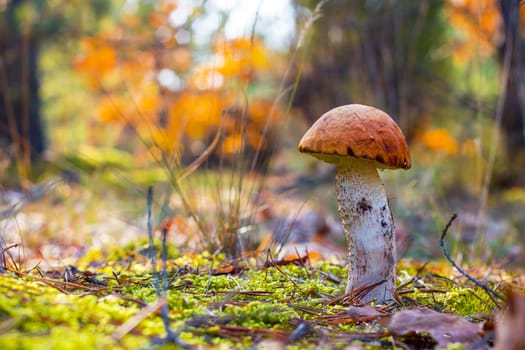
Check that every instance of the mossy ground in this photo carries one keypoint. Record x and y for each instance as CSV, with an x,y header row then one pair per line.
x,y
213,303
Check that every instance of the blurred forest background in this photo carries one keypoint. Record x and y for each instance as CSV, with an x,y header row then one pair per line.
x,y
207,100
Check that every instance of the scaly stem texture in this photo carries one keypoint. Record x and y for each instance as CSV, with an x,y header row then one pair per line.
x,y
368,226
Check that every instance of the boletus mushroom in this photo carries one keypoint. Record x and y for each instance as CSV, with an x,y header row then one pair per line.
x,y
360,139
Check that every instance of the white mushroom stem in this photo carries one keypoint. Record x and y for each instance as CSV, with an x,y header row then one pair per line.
x,y
368,226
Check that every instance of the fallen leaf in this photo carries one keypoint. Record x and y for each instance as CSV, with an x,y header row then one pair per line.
x,y
289,260
231,269
509,328
443,328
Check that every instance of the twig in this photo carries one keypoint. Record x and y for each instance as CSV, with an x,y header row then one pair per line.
x,y
165,282
282,272
478,283
162,303
171,337
59,285
4,252
140,316
152,254
413,279
355,295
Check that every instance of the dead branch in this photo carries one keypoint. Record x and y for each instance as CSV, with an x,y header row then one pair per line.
x,y
478,283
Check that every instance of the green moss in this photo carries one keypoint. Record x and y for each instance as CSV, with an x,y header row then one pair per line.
x,y
258,301
36,316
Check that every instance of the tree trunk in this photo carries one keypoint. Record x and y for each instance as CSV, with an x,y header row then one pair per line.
x,y
513,121
20,122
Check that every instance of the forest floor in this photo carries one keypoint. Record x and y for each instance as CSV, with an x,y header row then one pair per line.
x,y
77,273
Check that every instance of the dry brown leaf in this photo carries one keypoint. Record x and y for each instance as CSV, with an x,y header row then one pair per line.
x,y
230,269
443,328
289,260
509,329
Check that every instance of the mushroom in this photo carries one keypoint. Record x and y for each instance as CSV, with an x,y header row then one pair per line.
x,y
360,139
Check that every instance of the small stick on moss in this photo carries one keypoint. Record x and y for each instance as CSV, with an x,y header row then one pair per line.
x,y
115,275
170,335
130,299
413,279
5,252
61,286
134,321
490,291
152,254
274,264
165,282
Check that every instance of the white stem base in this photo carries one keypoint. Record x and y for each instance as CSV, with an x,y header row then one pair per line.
x,y
369,228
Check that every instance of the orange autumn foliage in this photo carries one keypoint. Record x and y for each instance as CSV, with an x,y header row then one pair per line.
x,y
206,77
440,140
134,70
477,24
99,59
158,18
233,59
255,137
232,144
239,57
193,114
261,110
124,65
149,101
180,59
110,109
138,108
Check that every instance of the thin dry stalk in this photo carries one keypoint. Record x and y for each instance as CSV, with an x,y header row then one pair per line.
x,y
273,264
505,75
140,316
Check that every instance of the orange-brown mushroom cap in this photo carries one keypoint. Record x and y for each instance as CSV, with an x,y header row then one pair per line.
x,y
357,131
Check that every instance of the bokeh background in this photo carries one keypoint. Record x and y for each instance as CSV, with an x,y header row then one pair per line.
x,y
207,100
